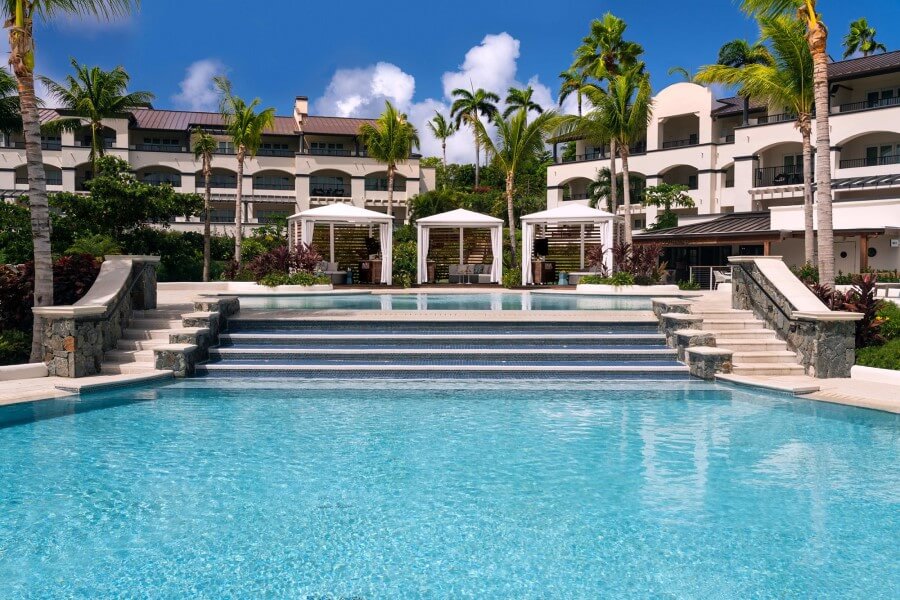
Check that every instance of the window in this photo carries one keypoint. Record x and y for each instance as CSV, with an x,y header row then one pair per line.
x,y
793,163
883,154
273,182
638,224
221,215
692,182
328,149
885,97
268,216
161,177
225,147
380,184
274,146
218,180
327,185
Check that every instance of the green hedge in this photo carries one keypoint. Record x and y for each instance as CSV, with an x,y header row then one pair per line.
x,y
15,347
886,356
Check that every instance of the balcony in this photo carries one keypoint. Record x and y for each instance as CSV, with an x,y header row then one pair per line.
x,y
51,180
159,148
727,139
866,105
328,152
273,185
693,140
274,152
582,157
855,163
579,196
770,119
774,176
224,150
158,179
330,192
51,145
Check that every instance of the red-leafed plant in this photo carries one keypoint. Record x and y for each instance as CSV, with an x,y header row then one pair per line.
x,y
859,299
303,259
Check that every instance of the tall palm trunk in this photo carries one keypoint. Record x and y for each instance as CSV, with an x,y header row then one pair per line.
x,y
390,191
207,172
817,39
578,95
809,235
613,180
444,150
238,207
477,153
510,182
626,191
20,42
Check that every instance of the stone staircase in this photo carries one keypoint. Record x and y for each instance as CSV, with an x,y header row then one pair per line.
x,y
757,351
147,330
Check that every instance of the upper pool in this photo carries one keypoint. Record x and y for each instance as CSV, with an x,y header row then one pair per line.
x,y
495,301
336,489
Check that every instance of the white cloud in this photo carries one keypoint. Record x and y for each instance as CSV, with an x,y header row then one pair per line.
x,y
492,65
197,89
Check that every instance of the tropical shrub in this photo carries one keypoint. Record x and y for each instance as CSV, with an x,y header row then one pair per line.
x,y
15,347
282,260
16,245
889,314
298,278
860,299
405,233
886,356
512,278
690,285
405,257
98,246
808,273
618,279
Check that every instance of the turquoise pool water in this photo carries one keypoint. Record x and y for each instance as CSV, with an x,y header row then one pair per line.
x,y
496,301
213,489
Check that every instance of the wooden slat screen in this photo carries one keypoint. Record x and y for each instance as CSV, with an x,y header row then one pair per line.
x,y
349,245
443,249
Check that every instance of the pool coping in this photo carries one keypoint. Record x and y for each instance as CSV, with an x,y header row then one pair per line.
x,y
50,388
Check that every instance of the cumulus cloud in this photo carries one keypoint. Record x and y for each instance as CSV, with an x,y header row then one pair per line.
x,y
197,89
492,65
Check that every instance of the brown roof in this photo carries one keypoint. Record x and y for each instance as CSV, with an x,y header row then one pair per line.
x,y
866,65
735,225
333,125
734,105
179,120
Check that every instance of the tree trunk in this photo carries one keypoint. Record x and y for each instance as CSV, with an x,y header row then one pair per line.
x,y
626,190
817,38
238,207
511,214
207,172
613,180
444,150
20,40
579,102
390,191
809,236
477,154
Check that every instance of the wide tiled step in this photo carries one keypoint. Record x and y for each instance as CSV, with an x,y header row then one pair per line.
x,y
134,344
380,327
763,368
751,333
771,356
109,368
128,356
723,324
751,345
155,323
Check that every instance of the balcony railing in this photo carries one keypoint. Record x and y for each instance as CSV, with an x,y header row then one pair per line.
x,y
335,192
224,150
328,152
159,148
581,196
772,176
779,118
273,185
51,180
274,152
853,163
583,157
691,141
728,139
51,145
868,104
173,180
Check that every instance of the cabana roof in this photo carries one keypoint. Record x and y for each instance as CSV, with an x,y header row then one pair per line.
x,y
569,213
342,213
459,218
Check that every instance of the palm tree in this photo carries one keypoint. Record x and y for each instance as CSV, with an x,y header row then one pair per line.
x,y
684,73
604,51
517,142
442,129
205,146
785,80
467,107
817,39
574,81
10,116
601,187
18,16
741,53
93,95
861,38
245,127
520,99
624,111
390,141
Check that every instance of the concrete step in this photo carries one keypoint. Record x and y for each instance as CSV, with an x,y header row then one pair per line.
x,y
160,313
743,334
129,356
161,323
750,345
146,334
108,368
135,344
722,314
772,356
730,324
767,369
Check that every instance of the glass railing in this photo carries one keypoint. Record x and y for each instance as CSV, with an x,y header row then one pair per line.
x,y
328,152
579,196
159,147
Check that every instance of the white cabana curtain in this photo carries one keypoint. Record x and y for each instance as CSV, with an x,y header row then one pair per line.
x,y
306,231
606,238
387,253
527,250
497,248
422,264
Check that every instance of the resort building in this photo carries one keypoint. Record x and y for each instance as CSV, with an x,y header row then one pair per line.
x,y
744,172
304,161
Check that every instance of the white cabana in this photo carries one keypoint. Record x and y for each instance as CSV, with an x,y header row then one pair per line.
x,y
301,225
568,214
460,219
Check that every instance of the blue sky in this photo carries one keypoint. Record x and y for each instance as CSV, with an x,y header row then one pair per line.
x,y
349,55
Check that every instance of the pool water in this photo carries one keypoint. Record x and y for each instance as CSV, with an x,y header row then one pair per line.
x,y
217,488
497,301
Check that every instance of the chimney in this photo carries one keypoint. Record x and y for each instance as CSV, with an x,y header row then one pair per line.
x,y
301,108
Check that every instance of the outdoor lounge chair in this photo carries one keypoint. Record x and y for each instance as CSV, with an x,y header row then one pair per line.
x,y
331,269
721,277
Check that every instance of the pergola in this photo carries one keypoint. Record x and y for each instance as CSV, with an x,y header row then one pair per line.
x,y
302,224
460,219
568,214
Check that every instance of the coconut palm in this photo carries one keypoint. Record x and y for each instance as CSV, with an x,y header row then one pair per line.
x,y
624,111
741,53
785,80
442,129
205,146
604,51
18,17
574,81
601,188
468,107
683,73
244,125
517,142
861,38
520,99
390,140
817,39
93,95
10,116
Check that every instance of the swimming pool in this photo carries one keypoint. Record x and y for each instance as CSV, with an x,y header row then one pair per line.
x,y
337,489
496,301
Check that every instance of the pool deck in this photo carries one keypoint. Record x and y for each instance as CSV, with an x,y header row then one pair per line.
x,y
852,392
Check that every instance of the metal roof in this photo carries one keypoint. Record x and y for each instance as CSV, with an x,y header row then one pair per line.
x,y
734,105
866,65
731,225
332,125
